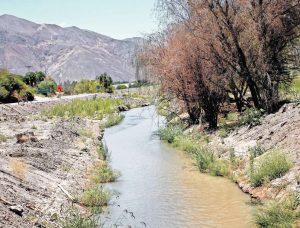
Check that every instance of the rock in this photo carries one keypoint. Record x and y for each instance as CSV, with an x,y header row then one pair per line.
x,y
17,209
26,137
145,104
122,108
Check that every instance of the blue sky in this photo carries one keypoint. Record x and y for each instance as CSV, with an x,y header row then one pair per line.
x,y
116,18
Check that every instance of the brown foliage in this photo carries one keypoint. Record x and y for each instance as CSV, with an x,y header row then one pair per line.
x,y
212,47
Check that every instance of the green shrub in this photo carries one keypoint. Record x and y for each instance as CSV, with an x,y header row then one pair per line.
x,y
95,197
278,214
205,158
122,87
170,132
103,173
75,219
47,87
103,152
13,88
271,166
255,152
252,117
219,168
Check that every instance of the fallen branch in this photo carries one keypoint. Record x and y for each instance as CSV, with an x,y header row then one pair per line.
x,y
66,193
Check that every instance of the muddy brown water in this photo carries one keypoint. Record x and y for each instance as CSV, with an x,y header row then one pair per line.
x,y
161,187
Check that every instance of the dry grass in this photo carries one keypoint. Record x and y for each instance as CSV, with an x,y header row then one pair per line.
x,y
18,168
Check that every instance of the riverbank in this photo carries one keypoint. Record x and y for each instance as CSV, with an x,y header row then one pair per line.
x,y
48,164
262,157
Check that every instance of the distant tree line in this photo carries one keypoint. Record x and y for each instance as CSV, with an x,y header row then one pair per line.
x,y
214,51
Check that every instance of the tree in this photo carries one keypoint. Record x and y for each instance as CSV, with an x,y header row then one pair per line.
x,y
13,89
34,78
105,81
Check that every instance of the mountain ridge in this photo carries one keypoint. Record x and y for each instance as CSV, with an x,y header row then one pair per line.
x,y
65,53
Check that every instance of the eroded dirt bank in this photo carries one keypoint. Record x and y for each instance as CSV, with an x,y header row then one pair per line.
x,y
278,131
43,163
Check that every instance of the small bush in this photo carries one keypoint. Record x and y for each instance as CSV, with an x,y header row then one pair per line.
x,y
75,219
271,166
122,87
205,158
278,214
208,163
219,168
103,173
95,197
170,132
252,117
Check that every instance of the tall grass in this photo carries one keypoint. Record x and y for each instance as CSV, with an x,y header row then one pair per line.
x,y
97,108
112,120
208,163
271,166
278,214
170,132
95,197
75,219
103,173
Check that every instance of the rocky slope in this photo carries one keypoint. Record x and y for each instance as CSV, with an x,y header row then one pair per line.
x,y
64,53
278,131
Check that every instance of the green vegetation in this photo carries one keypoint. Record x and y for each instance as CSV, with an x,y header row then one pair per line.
x,y
47,87
102,151
95,197
86,133
87,86
3,138
75,219
122,86
186,143
103,173
208,163
271,166
170,132
113,119
279,214
13,88
97,108
34,78
251,117
296,84
106,82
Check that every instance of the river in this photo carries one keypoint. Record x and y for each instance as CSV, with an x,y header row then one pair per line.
x,y
161,187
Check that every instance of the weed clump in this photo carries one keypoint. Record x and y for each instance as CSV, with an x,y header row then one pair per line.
x,y
95,197
279,214
103,173
273,165
112,120
170,132
96,108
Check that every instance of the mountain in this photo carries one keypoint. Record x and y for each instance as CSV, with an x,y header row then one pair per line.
x,y
67,53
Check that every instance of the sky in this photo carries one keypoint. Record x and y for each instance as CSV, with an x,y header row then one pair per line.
x,y
119,19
